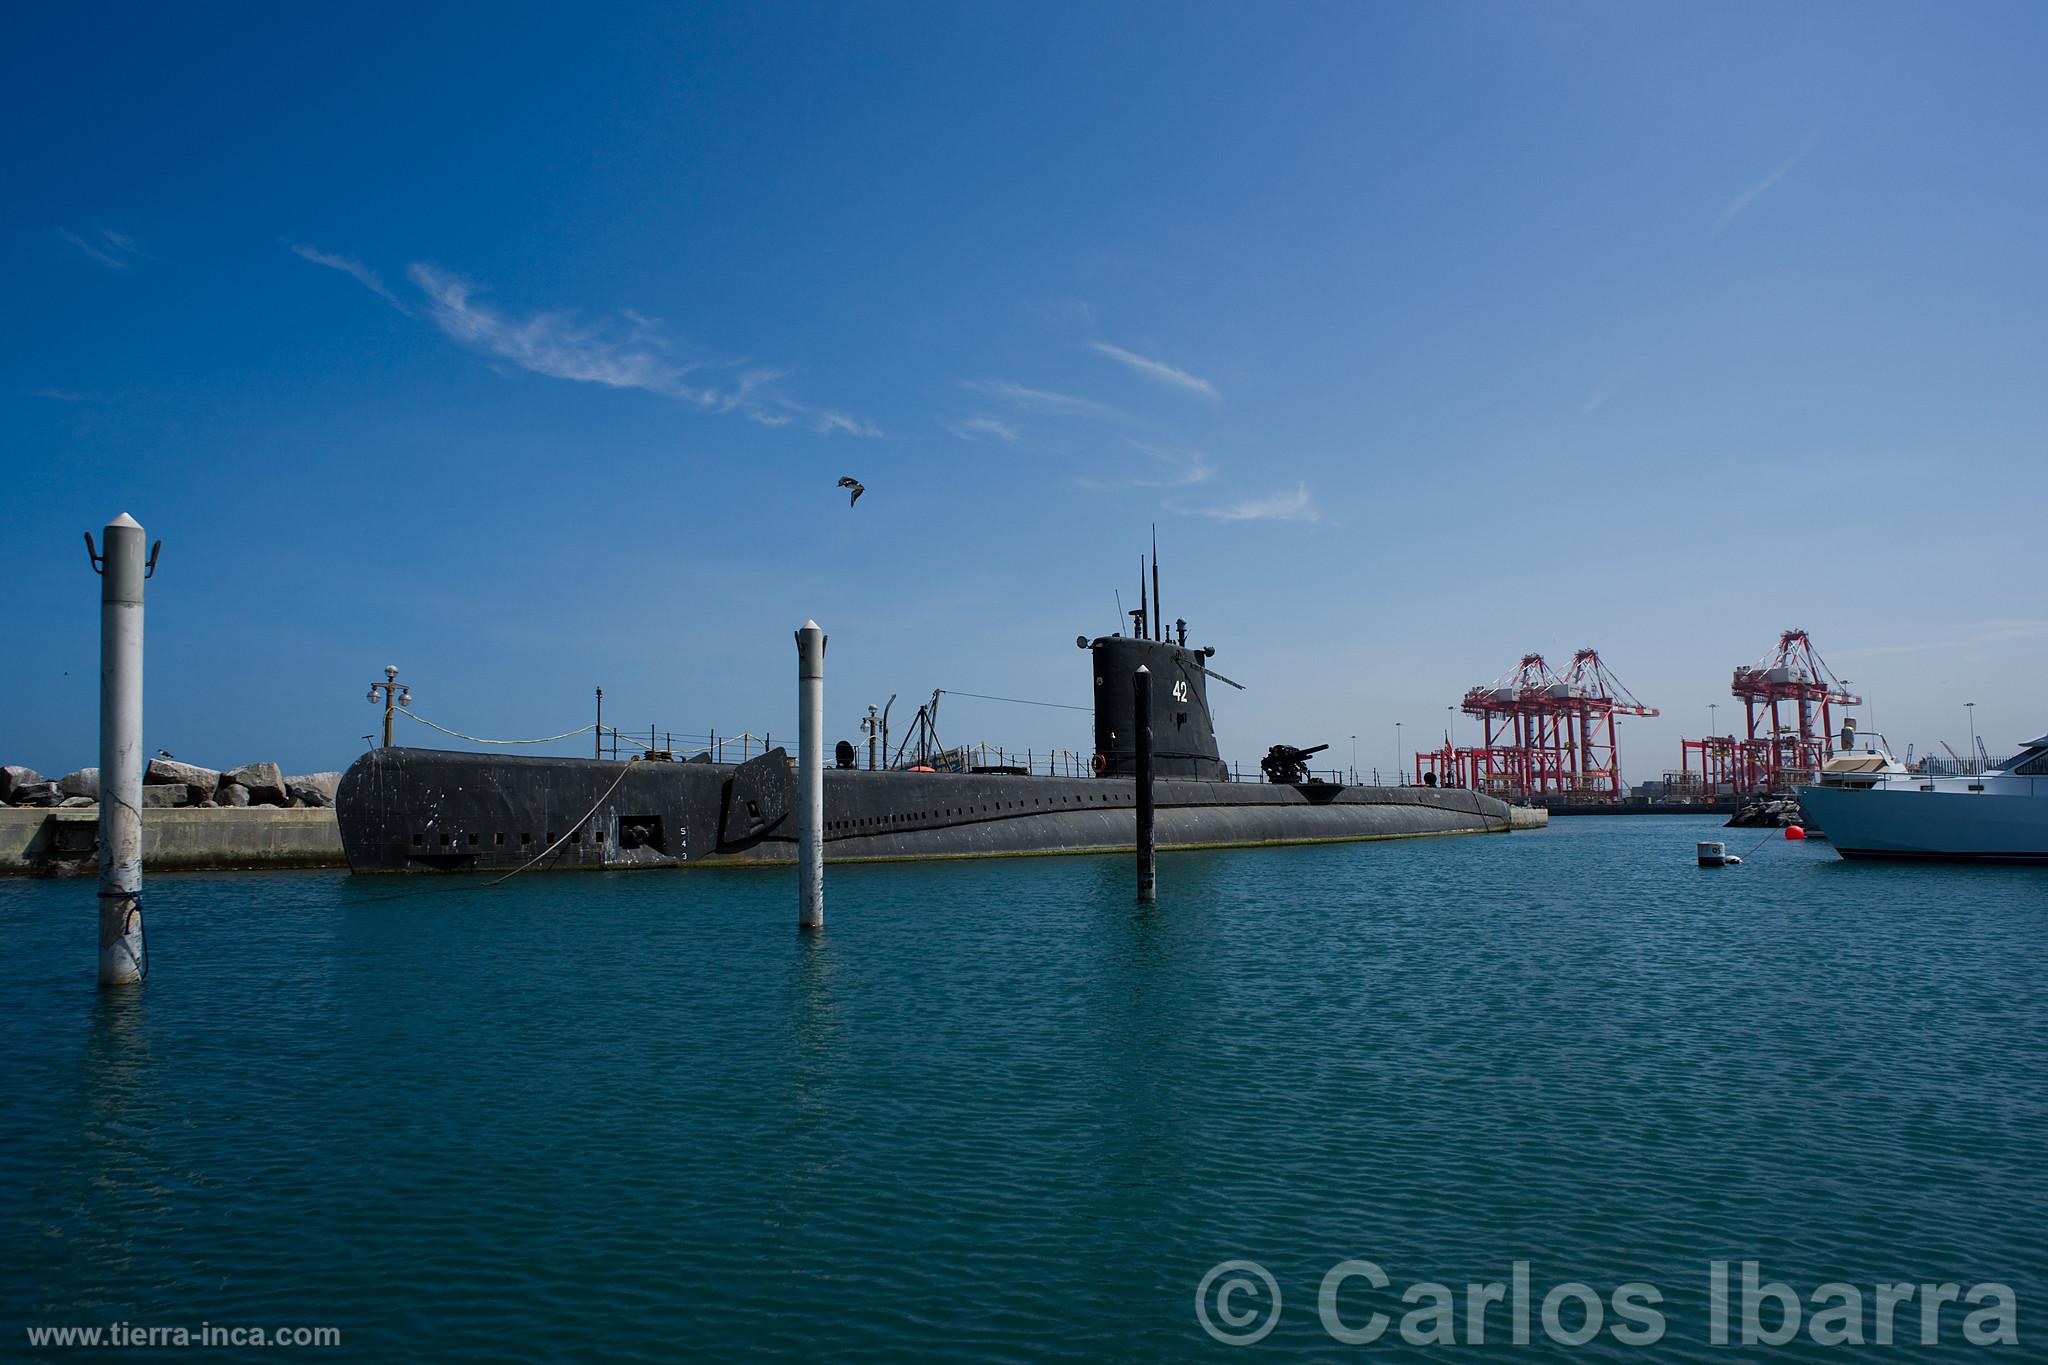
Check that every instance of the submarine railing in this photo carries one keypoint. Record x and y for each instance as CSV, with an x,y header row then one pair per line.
x,y
619,742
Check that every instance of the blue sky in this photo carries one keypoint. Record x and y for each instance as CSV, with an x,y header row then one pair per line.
x,y
523,347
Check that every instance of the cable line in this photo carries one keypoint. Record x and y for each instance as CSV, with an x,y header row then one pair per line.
x,y
1014,701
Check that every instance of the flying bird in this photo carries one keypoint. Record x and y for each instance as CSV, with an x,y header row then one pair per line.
x,y
856,485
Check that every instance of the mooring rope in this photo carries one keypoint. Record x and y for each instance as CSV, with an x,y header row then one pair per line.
x,y
133,921
1014,701
1760,843
571,830
477,739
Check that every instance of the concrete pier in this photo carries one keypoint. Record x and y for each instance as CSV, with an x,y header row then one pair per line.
x,y
60,843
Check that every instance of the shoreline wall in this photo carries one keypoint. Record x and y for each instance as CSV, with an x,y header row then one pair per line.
x,y
65,842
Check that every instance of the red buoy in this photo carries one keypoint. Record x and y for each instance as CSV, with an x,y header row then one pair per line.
x,y
1794,833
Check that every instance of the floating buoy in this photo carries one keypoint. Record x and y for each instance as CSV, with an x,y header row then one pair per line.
x,y
1714,853
1793,833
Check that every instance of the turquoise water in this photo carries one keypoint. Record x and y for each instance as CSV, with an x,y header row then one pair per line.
x,y
998,1111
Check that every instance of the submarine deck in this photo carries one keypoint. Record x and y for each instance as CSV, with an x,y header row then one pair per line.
x,y
434,810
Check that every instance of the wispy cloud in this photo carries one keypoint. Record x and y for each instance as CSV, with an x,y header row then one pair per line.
x,y
985,428
1069,312
1983,633
59,395
111,249
625,351
1288,505
556,344
1156,370
1171,467
1741,202
354,269
1038,400
742,390
825,421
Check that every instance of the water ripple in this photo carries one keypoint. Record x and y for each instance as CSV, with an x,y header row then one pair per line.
x,y
999,1111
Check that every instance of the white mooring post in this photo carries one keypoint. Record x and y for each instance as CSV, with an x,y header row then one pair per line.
x,y
121,572
810,776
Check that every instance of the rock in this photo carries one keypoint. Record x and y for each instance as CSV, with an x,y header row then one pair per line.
x,y
231,794
16,778
263,782
74,802
167,795
1767,812
324,783
304,794
43,794
84,782
168,772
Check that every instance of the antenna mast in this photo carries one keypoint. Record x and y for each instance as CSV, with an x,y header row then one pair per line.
x,y
1158,612
1143,617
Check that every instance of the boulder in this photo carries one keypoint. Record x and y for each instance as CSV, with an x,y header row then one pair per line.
x,y
84,782
324,783
74,802
167,795
263,782
303,794
42,794
231,794
168,772
15,778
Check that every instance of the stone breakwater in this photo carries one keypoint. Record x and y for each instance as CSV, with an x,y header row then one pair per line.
x,y
168,783
193,819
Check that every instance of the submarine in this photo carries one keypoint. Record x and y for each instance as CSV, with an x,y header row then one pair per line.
x,y
427,810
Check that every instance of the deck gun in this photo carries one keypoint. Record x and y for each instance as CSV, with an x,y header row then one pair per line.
x,y
1286,765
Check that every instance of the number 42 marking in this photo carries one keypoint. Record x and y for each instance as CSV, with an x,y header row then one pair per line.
x,y
1180,690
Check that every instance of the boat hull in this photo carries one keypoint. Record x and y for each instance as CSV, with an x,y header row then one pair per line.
x,y
1930,826
434,810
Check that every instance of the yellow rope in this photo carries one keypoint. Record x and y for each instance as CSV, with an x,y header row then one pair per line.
x,y
571,830
474,739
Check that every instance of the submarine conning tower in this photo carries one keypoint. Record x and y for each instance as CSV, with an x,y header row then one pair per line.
x,y
1183,734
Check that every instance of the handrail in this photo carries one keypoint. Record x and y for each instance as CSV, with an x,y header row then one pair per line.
x,y
1057,762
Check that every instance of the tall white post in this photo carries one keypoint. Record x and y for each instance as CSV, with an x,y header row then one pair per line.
x,y
810,776
121,574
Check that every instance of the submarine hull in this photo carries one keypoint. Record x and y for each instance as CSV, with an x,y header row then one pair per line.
x,y
405,810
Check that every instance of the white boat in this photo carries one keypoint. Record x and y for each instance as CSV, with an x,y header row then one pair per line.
x,y
1870,806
